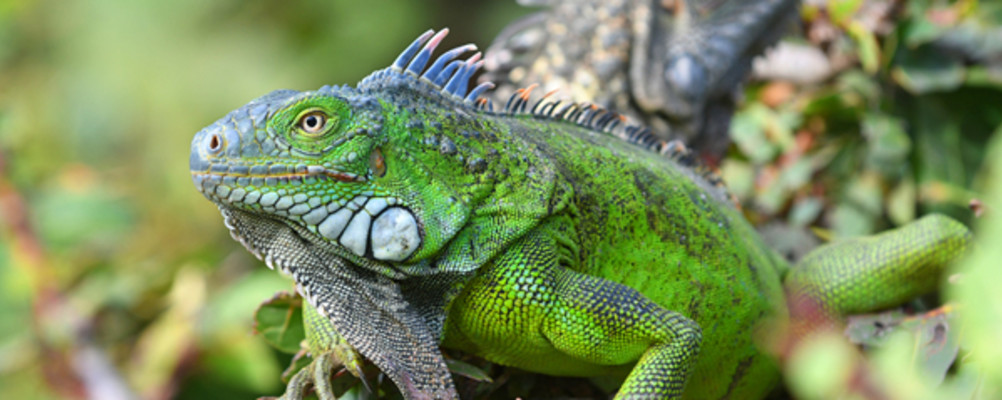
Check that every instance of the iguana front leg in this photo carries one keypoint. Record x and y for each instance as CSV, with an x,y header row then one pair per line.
x,y
329,351
364,308
527,310
606,322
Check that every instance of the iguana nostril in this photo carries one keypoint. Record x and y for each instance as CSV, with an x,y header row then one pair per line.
x,y
215,143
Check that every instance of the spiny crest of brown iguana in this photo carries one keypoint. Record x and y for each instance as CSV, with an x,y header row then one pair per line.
x,y
412,216
674,65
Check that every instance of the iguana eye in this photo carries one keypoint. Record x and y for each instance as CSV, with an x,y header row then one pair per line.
x,y
313,122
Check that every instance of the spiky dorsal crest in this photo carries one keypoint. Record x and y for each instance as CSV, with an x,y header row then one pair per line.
x,y
446,75
450,77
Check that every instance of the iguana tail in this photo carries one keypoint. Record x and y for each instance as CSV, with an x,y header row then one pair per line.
x,y
874,272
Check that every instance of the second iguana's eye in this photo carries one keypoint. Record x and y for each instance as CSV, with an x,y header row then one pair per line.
x,y
313,122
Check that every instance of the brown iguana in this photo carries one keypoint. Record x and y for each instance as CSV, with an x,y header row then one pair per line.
x,y
675,65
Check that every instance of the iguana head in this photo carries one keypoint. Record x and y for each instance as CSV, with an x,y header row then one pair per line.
x,y
350,166
409,165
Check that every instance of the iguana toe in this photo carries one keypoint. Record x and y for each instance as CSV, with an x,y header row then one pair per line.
x,y
317,375
298,385
322,367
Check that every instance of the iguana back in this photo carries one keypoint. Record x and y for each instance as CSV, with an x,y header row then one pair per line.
x,y
648,221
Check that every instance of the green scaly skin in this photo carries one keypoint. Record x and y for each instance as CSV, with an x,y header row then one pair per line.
x,y
524,238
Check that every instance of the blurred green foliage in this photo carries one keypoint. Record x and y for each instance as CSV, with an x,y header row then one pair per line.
x,y
115,275
901,127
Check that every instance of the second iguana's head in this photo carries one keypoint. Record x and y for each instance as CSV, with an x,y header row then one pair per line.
x,y
360,168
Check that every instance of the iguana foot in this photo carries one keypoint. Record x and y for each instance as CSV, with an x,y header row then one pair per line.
x,y
317,375
330,351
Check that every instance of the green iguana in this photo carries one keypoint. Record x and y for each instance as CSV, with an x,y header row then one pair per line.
x,y
411,215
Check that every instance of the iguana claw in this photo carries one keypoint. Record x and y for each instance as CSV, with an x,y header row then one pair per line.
x,y
318,373
330,351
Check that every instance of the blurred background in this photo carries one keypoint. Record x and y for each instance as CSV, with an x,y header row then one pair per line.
x,y
118,279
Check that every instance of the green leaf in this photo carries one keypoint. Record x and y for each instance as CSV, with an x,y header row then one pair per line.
x,y
901,202
935,342
467,370
793,242
851,221
868,49
938,141
796,174
805,211
864,85
279,320
825,104
739,177
841,11
978,277
243,361
298,362
925,69
989,77
888,145
921,31
748,132
872,330
821,368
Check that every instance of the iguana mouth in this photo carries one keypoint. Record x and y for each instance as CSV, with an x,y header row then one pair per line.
x,y
368,225
239,184
300,173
